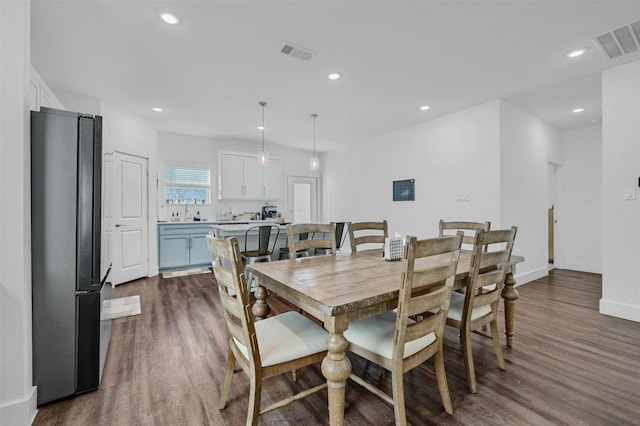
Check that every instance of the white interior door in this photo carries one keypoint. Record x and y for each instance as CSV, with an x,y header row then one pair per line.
x,y
129,222
302,199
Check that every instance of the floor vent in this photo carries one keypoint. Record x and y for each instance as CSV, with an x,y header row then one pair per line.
x,y
621,41
297,51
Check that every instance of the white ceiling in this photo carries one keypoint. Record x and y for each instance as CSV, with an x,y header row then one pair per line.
x,y
210,71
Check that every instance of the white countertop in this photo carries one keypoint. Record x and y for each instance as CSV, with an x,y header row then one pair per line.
x,y
219,222
228,229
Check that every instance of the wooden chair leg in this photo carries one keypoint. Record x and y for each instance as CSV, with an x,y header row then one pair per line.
x,y
255,392
441,376
495,336
468,360
398,397
231,363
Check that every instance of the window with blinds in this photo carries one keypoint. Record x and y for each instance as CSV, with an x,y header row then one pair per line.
x,y
187,183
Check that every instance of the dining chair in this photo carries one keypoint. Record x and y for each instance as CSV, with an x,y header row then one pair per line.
x,y
340,237
473,310
361,233
469,228
398,343
285,253
272,346
326,230
262,253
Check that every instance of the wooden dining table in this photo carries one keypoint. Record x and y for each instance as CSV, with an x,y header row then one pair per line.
x,y
343,288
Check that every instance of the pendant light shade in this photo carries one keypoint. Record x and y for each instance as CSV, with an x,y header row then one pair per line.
x,y
263,155
314,162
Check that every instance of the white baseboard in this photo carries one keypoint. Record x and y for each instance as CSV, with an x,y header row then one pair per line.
x,y
22,412
527,277
582,267
620,310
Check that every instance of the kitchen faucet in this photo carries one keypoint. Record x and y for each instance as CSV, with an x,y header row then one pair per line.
x,y
187,214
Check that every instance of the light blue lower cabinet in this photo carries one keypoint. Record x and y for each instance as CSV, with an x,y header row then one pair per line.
x,y
199,253
174,251
182,246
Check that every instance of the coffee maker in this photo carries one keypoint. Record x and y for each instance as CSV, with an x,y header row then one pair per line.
x,y
269,212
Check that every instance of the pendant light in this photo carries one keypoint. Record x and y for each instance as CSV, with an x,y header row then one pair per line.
x,y
314,162
263,156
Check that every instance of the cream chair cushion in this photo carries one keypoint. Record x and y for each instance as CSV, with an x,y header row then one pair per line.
x,y
376,335
457,305
280,338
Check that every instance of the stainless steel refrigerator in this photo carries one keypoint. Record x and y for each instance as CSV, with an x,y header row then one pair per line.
x,y
70,340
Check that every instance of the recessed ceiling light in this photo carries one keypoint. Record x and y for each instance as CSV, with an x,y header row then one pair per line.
x,y
334,76
425,107
169,18
577,109
576,53
157,109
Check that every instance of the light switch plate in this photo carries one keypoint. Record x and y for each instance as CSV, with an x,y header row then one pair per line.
x,y
630,194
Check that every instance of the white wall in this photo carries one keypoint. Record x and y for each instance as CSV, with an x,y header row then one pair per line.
x,y
495,153
448,156
580,223
527,145
620,171
17,394
123,131
76,102
173,147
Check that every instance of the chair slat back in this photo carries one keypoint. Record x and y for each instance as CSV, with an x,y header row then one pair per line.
x,y
234,294
264,236
470,229
326,230
361,233
339,233
489,264
424,290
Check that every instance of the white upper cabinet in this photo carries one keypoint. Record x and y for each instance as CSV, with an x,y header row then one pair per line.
x,y
241,177
272,180
230,176
41,95
252,178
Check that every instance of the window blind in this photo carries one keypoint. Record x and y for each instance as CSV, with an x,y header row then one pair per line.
x,y
187,176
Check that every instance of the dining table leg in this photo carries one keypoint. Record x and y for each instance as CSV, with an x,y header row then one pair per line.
x,y
336,368
261,308
510,295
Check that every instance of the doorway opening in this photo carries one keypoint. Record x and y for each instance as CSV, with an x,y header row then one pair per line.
x,y
302,199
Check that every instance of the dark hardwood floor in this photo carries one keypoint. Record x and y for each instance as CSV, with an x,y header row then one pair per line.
x,y
569,365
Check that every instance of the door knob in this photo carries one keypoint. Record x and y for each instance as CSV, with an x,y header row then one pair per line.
x,y
118,225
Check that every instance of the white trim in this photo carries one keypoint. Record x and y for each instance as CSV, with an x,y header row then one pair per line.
x,y
583,267
527,277
620,310
244,154
21,412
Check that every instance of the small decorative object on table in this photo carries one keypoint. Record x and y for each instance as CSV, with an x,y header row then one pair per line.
x,y
393,248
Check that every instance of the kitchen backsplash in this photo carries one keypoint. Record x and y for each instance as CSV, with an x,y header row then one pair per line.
x,y
242,210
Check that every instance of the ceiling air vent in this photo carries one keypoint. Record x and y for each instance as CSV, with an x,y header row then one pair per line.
x,y
621,41
297,51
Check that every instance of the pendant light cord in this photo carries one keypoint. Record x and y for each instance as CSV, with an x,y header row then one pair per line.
x,y
263,104
314,133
